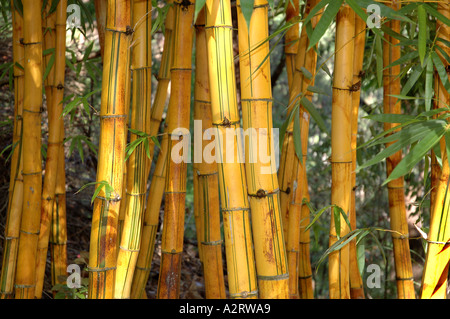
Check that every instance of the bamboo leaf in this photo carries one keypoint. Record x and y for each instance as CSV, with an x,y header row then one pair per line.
x,y
337,221
199,4
422,40
297,135
379,59
428,84
440,68
247,10
317,215
307,104
404,58
412,79
436,14
415,154
361,257
327,17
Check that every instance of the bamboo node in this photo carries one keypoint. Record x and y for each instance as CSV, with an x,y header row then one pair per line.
x,y
60,86
129,30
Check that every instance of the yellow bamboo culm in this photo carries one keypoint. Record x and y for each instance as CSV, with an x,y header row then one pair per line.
x,y
100,13
206,186
15,195
341,154
397,206
55,92
291,39
435,273
288,158
178,115
141,62
58,230
240,258
113,119
297,242
262,181
32,171
150,223
156,192
356,284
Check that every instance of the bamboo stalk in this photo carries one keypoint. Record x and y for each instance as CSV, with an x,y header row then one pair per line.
x,y
100,13
341,154
54,107
300,279
291,39
113,118
262,181
435,273
150,223
137,162
206,185
178,130
356,284
232,180
397,208
156,192
15,195
32,170
58,234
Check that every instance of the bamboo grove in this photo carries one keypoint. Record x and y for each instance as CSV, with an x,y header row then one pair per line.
x,y
211,122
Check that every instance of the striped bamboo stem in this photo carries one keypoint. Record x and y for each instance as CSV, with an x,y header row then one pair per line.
x,y
291,39
341,154
397,207
137,162
15,195
58,231
300,279
150,223
232,180
156,192
435,273
113,119
178,129
206,185
356,284
25,280
262,181
55,88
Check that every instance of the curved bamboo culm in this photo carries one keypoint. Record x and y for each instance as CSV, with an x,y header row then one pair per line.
x,y
291,39
232,181
356,284
435,273
300,275
113,119
262,181
54,108
32,171
58,231
100,13
150,223
206,185
178,115
341,153
397,206
136,185
15,195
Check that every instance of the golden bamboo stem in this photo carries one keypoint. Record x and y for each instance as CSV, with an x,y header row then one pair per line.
x,y
435,273
356,284
262,181
206,185
291,39
32,170
178,128
15,195
150,223
113,119
54,107
225,115
341,153
100,13
137,162
397,207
